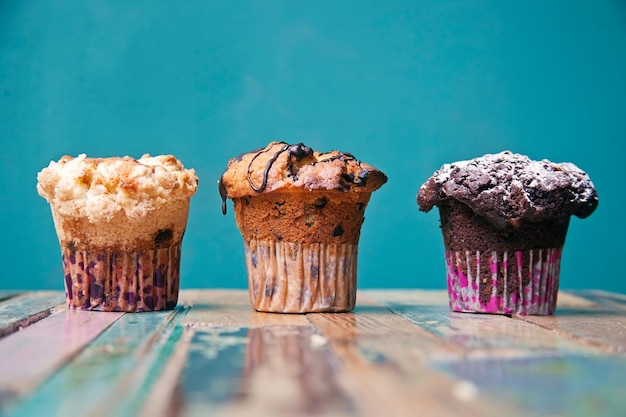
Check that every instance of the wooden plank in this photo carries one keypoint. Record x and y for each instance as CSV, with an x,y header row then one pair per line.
x,y
541,372
216,312
578,385
112,375
232,308
6,294
603,298
23,310
260,371
383,364
33,354
166,399
600,322
478,334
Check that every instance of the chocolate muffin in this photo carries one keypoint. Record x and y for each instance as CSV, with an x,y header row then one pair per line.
x,y
300,214
504,220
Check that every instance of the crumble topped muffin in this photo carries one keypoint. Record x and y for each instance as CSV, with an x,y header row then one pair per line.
x,y
120,223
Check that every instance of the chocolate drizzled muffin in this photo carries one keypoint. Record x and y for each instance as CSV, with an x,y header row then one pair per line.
x,y
300,214
504,219
120,224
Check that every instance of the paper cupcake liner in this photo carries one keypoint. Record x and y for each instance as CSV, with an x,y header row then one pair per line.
x,y
122,281
516,282
288,277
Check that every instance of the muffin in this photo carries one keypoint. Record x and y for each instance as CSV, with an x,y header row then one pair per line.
x,y
504,219
300,214
120,224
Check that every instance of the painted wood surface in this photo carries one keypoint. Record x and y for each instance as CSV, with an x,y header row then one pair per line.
x,y
25,309
5,294
398,353
111,374
33,354
527,360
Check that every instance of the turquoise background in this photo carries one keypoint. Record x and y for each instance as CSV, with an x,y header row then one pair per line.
x,y
404,85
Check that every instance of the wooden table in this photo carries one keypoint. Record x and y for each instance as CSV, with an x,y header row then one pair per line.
x,y
401,353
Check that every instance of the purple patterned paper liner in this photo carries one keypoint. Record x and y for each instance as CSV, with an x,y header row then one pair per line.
x,y
528,281
287,277
122,281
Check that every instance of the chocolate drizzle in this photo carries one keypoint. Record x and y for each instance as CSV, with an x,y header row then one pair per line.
x,y
344,156
295,152
222,189
268,166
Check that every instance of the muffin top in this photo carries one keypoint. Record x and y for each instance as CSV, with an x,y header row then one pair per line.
x,y
508,188
98,188
287,168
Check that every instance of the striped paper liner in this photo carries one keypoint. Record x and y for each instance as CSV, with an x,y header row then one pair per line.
x,y
515,282
288,277
110,280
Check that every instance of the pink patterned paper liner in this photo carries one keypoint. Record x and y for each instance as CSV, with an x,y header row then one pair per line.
x,y
287,277
121,281
529,289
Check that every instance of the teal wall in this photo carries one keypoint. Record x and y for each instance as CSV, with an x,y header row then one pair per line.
x,y
404,85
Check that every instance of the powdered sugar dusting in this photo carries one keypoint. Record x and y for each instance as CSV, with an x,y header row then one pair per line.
x,y
508,187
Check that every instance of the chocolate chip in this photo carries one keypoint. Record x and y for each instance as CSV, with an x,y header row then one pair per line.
x,y
338,231
310,220
359,206
320,202
277,208
348,177
363,177
299,151
163,237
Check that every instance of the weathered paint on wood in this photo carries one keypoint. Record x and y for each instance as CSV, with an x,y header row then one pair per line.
x,y
478,334
25,309
390,378
33,354
603,298
542,372
232,308
549,386
6,294
267,371
215,312
399,353
599,322
108,372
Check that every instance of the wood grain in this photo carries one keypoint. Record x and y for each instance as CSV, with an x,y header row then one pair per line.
x,y
218,331
6,294
558,368
384,365
600,321
478,334
23,310
110,376
398,353
33,354
232,308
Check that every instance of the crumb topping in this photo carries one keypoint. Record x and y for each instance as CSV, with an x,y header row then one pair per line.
x,y
98,188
